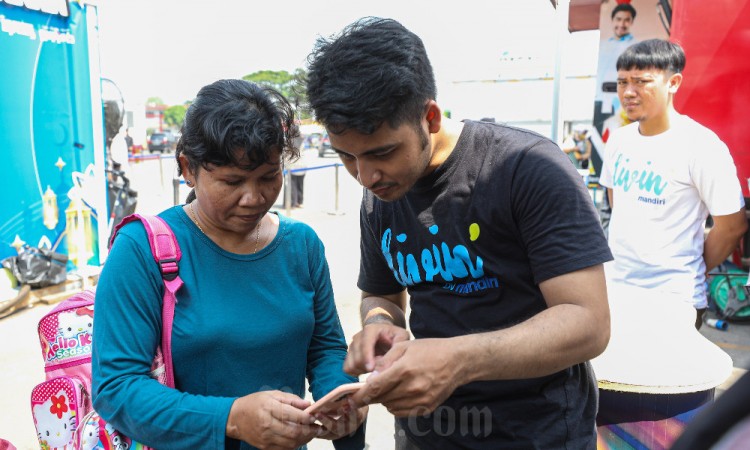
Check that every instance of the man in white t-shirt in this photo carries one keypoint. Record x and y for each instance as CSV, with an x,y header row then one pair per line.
x,y
665,174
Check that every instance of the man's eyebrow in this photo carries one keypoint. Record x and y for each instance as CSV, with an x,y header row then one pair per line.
x,y
636,78
371,151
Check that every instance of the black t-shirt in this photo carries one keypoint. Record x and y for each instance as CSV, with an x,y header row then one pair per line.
x,y
471,242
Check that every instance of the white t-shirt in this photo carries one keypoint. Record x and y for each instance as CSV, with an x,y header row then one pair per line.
x,y
664,187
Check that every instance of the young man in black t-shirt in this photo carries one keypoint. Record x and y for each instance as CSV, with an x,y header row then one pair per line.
x,y
480,224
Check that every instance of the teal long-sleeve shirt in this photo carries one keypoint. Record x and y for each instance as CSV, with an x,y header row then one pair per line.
x,y
243,324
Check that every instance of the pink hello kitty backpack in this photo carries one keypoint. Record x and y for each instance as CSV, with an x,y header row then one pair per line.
x,y
61,405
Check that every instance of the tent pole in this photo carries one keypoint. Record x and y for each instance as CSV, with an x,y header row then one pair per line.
x,y
562,12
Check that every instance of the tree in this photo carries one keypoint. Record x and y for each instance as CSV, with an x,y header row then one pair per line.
x,y
291,86
155,101
174,115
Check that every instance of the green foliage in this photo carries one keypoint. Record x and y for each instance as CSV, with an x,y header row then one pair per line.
x,y
291,86
174,115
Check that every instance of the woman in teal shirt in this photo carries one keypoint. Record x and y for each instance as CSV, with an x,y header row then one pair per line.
x,y
256,316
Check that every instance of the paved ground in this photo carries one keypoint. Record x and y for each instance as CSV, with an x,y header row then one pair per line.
x,y
337,224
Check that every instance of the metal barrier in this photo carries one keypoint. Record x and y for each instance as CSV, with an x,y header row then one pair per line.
x,y
138,158
288,185
176,182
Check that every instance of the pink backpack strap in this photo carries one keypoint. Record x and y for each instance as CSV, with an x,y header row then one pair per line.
x,y
167,254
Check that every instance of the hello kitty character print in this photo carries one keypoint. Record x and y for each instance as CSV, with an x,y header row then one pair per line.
x,y
65,334
96,434
88,433
53,405
76,322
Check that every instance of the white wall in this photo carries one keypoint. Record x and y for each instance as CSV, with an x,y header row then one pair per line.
x,y
520,101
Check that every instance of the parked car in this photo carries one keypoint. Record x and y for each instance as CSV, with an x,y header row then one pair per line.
x,y
162,141
318,141
324,146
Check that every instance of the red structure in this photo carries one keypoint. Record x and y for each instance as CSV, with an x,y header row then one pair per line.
x,y
716,87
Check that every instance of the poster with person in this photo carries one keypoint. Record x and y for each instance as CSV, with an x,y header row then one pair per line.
x,y
622,23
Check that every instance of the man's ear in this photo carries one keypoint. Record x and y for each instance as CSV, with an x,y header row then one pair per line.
x,y
433,116
674,83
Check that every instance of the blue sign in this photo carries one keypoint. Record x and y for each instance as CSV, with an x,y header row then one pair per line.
x,y
51,191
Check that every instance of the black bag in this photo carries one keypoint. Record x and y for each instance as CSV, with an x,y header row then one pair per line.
x,y
38,267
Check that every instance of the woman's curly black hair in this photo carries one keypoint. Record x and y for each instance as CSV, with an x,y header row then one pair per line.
x,y
231,115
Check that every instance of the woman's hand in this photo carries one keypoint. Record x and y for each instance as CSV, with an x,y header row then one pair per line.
x,y
347,423
272,420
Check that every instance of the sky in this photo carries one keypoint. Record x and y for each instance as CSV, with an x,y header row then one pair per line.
x,y
171,48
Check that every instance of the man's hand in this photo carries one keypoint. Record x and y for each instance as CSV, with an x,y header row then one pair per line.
x,y
723,238
272,420
370,344
414,377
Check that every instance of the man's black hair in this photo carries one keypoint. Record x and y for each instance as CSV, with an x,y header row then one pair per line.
x,y
627,7
657,54
376,71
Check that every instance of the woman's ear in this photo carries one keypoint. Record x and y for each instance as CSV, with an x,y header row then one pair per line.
x,y
182,161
